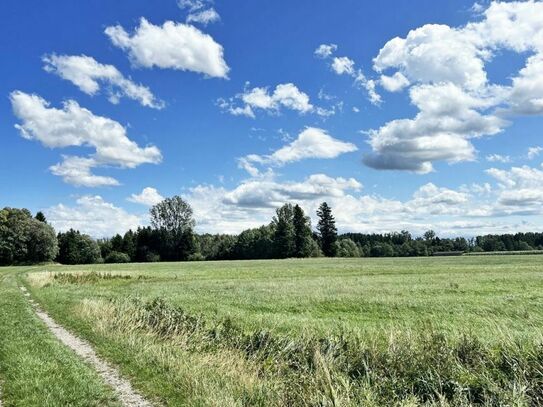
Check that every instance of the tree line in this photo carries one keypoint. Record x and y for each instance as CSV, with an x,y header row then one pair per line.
x,y
25,239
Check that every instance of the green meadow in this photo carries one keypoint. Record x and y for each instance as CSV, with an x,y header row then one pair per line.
x,y
464,330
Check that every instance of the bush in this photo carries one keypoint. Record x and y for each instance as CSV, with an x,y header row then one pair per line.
x,y
347,248
117,257
196,257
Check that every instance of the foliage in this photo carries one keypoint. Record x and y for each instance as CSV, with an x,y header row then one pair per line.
x,y
327,230
303,240
117,257
77,248
347,248
41,217
284,235
172,214
24,239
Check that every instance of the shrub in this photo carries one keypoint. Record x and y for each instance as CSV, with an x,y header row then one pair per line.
x,y
196,257
117,257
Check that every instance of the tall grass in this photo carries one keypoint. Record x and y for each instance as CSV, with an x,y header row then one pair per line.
x,y
423,368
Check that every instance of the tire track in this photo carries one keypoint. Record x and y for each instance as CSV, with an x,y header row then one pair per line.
x,y
122,387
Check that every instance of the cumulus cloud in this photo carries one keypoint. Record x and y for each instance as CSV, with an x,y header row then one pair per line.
x,y
394,83
269,193
172,45
440,63
311,143
73,126
77,171
284,96
432,54
89,75
440,132
148,196
92,215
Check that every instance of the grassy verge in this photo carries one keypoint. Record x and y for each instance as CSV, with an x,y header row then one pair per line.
x,y
377,332
35,369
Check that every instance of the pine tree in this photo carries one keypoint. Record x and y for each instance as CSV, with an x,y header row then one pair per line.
x,y
302,233
327,230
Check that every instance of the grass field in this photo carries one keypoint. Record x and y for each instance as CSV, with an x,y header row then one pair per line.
x,y
36,370
435,331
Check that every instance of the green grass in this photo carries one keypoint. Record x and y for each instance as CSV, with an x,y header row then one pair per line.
x,y
449,330
35,369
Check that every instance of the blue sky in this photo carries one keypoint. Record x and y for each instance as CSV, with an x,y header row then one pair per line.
x,y
402,115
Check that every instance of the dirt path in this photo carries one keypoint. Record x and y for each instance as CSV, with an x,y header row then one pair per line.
x,y
122,387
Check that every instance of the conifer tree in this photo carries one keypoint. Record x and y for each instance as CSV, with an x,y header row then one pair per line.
x,y
327,230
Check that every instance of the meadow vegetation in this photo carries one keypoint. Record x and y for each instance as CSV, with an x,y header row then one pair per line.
x,y
35,369
338,332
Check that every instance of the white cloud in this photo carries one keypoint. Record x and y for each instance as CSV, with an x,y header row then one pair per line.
x,y
199,11
526,95
285,95
441,131
77,171
343,65
432,54
263,193
533,152
369,85
498,158
518,177
93,216
431,194
325,50
88,75
394,83
172,45
76,126
346,66
310,143
431,199
433,59
520,186
148,196
204,17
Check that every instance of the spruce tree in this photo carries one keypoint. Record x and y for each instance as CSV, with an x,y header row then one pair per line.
x,y
327,230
